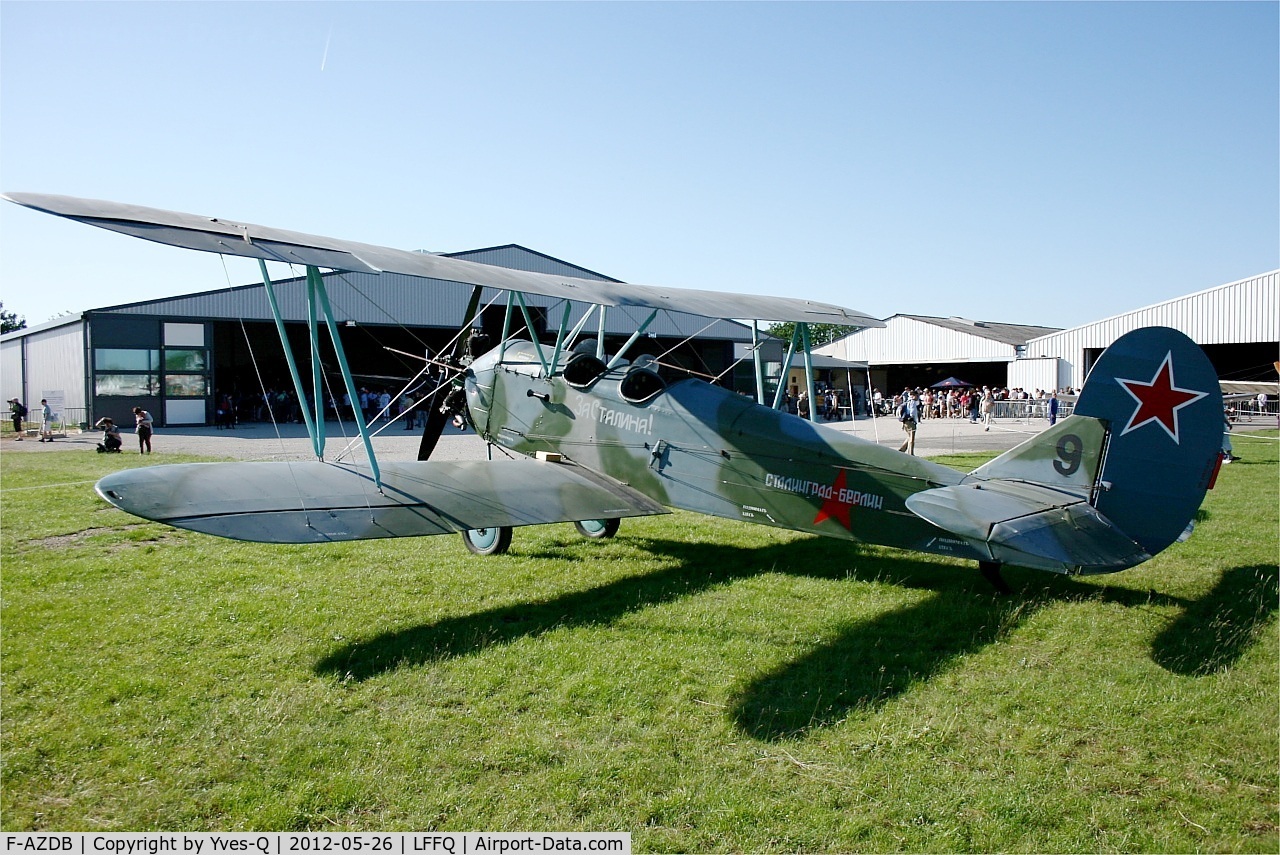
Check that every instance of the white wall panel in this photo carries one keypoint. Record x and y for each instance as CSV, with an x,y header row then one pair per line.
x,y
905,340
1033,374
11,371
55,360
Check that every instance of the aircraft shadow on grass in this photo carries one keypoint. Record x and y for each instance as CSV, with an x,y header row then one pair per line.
x,y
867,663
1213,632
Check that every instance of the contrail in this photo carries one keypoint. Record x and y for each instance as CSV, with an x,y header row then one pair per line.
x,y
324,59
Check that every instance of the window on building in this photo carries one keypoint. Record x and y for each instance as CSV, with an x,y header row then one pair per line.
x,y
184,360
186,385
122,359
126,385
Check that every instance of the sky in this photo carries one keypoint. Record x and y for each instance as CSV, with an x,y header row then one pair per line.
x,y
1030,163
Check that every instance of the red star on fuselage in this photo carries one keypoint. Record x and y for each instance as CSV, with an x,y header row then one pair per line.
x,y
1159,400
834,508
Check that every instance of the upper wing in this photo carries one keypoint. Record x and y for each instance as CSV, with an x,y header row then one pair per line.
x,y
313,502
210,234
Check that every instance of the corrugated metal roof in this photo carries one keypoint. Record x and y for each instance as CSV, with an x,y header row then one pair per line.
x,y
60,321
1015,334
518,257
1247,310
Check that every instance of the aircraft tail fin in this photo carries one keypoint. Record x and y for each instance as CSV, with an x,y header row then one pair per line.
x,y
1113,484
1159,395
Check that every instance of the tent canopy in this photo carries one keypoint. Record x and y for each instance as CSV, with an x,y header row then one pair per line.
x,y
951,383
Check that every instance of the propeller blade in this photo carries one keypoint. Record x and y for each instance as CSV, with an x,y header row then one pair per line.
x,y
437,417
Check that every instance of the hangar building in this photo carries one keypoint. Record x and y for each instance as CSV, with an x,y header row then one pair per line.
x,y
918,351
1237,324
177,356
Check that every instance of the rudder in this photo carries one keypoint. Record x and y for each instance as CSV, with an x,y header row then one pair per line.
x,y
1159,395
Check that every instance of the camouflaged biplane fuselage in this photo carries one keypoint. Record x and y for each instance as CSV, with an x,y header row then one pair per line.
x,y
699,447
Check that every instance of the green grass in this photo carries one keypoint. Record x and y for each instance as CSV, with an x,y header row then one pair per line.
x,y
706,685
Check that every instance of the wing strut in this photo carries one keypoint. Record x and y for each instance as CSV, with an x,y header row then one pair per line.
x,y
621,354
317,443
318,299
758,361
799,341
314,280
802,328
785,376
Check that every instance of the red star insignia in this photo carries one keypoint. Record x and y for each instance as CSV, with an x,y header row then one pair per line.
x,y
1159,400
833,508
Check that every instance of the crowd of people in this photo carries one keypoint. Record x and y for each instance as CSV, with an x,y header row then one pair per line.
x,y
913,406
968,402
965,402
281,405
831,403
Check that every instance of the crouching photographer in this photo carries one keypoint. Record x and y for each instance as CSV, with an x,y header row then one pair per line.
x,y
111,441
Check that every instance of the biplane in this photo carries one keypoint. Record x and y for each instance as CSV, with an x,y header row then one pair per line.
x,y
577,434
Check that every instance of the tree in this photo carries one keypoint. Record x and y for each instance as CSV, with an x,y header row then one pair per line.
x,y
9,321
819,334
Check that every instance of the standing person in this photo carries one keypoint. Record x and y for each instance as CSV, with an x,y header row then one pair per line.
x,y
1053,408
909,415
1227,454
46,421
406,407
18,413
988,406
142,421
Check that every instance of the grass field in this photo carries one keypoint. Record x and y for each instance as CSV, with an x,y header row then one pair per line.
x,y
706,685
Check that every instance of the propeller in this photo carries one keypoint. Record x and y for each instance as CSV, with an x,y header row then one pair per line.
x,y
448,400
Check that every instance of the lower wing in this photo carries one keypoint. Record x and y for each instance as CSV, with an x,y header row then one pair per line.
x,y
314,502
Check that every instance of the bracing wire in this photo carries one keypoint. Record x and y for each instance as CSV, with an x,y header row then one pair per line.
x,y
253,358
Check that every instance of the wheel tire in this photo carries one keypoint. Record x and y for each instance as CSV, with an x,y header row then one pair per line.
x,y
598,529
487,541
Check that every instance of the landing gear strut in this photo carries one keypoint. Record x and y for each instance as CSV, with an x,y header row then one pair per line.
x,y
990,571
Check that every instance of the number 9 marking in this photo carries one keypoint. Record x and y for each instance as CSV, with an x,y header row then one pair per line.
x,y
1070,455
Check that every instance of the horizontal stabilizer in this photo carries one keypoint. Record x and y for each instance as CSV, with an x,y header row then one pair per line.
x,y
1030,525
314,502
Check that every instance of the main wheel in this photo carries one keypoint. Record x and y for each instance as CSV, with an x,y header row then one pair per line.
x,y
597,529
488,541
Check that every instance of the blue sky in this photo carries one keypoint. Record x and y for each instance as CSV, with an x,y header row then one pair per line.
x,y
1034,163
